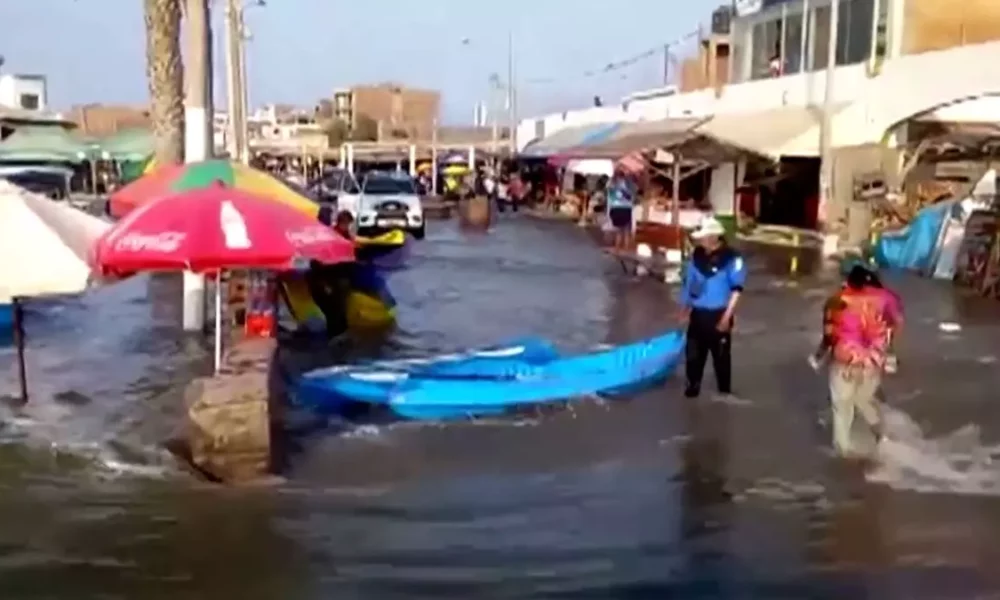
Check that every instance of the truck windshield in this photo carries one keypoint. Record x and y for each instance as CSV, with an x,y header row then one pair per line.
x,y
386,186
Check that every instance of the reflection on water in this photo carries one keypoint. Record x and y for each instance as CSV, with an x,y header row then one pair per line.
x,y
648,497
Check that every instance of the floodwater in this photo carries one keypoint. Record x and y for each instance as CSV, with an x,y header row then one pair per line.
x,y
647,497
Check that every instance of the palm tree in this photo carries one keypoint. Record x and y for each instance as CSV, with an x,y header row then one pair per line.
x,y
165,76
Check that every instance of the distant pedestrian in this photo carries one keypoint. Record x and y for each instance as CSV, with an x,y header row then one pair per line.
x,y
712,285
621,196
503,193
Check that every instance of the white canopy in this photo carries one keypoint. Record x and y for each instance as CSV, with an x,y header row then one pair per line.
x,y
44,245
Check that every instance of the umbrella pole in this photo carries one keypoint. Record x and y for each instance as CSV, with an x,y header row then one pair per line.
x,y
22,373
218,321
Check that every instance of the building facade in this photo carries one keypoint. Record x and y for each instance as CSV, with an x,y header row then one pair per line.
x,y
397,111
894,60
917,51
101,120
24,92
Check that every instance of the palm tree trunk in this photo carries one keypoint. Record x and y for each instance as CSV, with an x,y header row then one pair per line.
x,y
165,75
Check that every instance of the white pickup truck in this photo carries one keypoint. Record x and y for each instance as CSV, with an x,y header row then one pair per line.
x,y
389,201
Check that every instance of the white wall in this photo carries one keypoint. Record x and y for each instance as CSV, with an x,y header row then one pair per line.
x,y
900,91
722,191
12,87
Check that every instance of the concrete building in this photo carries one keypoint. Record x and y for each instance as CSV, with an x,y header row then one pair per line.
x,y
101,120
24,92
763,87
397,111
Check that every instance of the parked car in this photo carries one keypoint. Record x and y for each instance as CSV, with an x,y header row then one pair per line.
x,y
390,201
339,187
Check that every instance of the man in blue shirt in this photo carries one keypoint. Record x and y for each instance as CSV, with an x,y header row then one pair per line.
x,y
713,282
621,198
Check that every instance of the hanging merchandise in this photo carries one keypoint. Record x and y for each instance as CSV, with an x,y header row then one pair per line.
x,y
261,314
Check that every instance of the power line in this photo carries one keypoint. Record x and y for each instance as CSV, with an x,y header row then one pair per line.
x,y
618,65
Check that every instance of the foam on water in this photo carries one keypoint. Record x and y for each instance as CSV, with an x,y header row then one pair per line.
x,y
958,463
60,430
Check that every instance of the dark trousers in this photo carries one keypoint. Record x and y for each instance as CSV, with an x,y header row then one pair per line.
x,y
703,338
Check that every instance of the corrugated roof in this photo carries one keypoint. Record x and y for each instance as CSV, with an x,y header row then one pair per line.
x,y
43,144
567,138
636,136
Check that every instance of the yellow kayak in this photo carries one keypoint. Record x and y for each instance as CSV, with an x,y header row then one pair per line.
x,y
395,237
364,312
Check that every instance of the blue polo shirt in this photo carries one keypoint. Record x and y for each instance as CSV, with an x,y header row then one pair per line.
x,y
710,278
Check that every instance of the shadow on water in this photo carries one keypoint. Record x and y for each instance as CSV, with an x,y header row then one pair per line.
x,y
647,497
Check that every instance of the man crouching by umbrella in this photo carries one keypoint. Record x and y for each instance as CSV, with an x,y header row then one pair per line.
x,y
712,284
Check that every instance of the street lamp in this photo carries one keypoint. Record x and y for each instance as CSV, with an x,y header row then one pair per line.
x,y
511,88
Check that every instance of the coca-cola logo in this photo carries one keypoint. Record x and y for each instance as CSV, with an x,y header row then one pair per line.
x,y
308,236
166,242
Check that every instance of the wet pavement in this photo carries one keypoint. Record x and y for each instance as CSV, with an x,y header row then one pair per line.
x,y
647,497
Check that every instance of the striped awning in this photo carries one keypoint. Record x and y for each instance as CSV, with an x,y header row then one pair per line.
x,y
564,139
637,136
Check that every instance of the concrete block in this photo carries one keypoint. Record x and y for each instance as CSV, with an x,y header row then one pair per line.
x,y
230,416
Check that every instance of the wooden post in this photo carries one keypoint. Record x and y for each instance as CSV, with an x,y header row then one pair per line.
x,y
675,211
22,372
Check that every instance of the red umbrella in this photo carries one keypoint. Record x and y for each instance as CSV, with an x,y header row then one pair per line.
x,y
216,228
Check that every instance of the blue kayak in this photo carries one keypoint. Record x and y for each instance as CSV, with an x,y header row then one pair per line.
x,y
444,396
6,315
330,389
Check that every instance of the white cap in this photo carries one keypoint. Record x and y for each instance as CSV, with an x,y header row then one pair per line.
x,y
709,226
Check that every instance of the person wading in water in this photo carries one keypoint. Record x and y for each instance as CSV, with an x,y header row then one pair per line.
x,y
621,199
858,325
712,285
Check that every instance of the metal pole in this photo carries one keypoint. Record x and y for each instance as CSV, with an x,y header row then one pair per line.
x,y
666,64
434,159
825,141
198,137
217,354
511,94
675,210
494,108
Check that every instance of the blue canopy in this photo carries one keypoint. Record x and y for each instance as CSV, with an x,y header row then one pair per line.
x,y
568,138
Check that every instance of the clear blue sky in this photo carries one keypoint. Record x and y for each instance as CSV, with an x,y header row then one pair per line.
x,y
92,50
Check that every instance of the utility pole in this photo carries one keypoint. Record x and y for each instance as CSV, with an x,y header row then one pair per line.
x,y
825,132
666,65
234,76
494,115
244,92
434,159
511,94
198,134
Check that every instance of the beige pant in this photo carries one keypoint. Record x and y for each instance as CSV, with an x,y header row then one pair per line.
x,y
852,391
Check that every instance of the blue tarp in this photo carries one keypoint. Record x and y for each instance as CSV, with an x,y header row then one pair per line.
x,y
915,247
